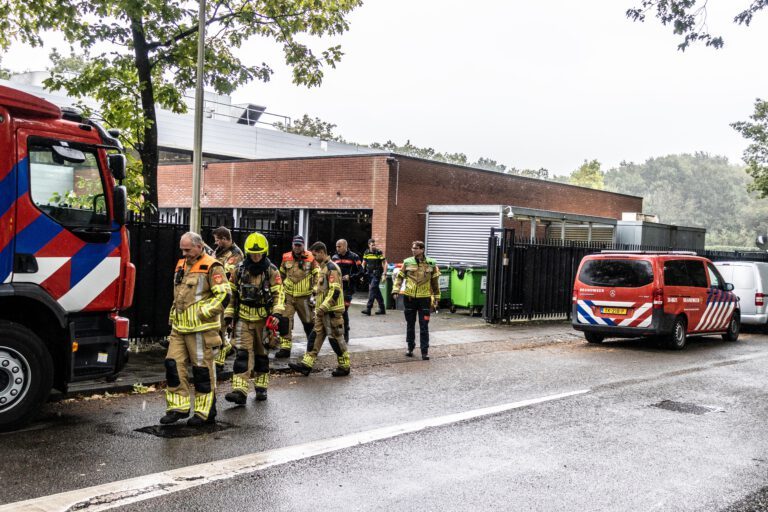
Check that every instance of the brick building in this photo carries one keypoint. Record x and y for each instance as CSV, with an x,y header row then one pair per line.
x,y
384,196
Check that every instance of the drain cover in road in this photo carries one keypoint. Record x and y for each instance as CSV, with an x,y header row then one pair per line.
x,y
182,430
670,405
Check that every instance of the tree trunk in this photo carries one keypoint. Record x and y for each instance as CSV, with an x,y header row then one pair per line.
x,y
148,150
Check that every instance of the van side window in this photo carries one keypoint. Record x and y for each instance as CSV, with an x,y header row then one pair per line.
x,y
714,277
696,273
676,273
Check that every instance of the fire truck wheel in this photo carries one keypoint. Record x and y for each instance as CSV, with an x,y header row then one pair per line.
x,y
593,337
734,328
678,336
26,375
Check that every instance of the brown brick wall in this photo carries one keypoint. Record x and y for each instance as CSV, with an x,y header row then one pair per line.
x,y
330,183
367,182
422,183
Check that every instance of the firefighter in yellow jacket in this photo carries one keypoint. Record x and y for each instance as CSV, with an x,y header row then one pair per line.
x,y
421,292
329,315
257,303
299,272
228,254
200,294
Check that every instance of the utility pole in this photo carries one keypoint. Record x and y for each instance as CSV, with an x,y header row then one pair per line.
x,y
197,152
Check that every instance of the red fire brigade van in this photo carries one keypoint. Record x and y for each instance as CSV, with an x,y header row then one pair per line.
x,y
673,295
64,262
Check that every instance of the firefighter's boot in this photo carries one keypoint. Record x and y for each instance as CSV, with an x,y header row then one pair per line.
x,y
261,382
236,397
197,421
343,369
173,417
305,366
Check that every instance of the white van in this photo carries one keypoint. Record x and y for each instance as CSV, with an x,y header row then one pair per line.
x,y
750,283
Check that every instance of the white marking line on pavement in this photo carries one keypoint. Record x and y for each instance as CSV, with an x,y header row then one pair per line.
x,y
124,492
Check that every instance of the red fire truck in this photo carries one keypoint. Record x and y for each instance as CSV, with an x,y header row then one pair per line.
x,y
65,271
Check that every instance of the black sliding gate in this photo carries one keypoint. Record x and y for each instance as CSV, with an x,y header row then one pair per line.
x,y
533,279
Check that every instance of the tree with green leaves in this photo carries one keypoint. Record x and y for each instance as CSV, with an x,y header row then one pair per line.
x,y
692,190
141,54
756,154
689,20
311,127
410,149
540,174
588,175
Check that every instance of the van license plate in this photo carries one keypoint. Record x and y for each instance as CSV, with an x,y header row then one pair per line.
x,y
613,311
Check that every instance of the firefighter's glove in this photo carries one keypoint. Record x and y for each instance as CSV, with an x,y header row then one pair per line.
x,y
321,309
435,302
273,321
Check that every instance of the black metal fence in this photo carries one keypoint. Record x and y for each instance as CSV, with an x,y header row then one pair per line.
x,y
533,279
155,251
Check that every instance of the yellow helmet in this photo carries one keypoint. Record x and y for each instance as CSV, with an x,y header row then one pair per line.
x,y
256,243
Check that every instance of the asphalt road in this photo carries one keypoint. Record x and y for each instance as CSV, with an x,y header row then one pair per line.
x,y
650,430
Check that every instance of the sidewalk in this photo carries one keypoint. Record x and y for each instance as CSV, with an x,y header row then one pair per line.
x,y
375,339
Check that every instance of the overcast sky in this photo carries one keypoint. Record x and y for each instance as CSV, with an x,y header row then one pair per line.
x,y
530,84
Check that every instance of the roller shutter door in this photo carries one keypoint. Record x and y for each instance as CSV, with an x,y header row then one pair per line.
x,y
460,237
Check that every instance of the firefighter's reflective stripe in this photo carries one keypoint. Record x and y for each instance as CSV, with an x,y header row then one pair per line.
x,y
302,288
176,402
343,360
308,360
262,380
201,316
239,384
298,276
421,278
252,313
328,283
200,311
203,404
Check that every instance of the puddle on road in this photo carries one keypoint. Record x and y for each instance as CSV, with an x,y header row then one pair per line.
x,y
683,407
182,430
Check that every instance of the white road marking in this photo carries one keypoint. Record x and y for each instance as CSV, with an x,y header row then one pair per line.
x,y
132,490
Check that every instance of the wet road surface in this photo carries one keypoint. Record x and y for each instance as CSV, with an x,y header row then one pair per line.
x,y
656,430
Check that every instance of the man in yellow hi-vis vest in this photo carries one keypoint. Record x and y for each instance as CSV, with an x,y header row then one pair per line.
x,y
200,293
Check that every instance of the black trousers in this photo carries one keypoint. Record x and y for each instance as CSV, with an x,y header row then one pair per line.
x,y
417,308
374,292
347,302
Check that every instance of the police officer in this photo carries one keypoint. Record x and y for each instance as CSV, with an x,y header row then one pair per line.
x,y
421,292
228,254
257,302
200,294
329,318
351,266
299,272
374,265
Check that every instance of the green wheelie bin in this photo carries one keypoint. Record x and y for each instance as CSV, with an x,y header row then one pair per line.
x,y
468,288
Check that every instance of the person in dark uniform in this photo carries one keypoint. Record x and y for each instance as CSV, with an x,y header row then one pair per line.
x,y
374,265
351,267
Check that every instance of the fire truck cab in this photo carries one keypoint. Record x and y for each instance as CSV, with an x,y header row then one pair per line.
x,y
65,271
